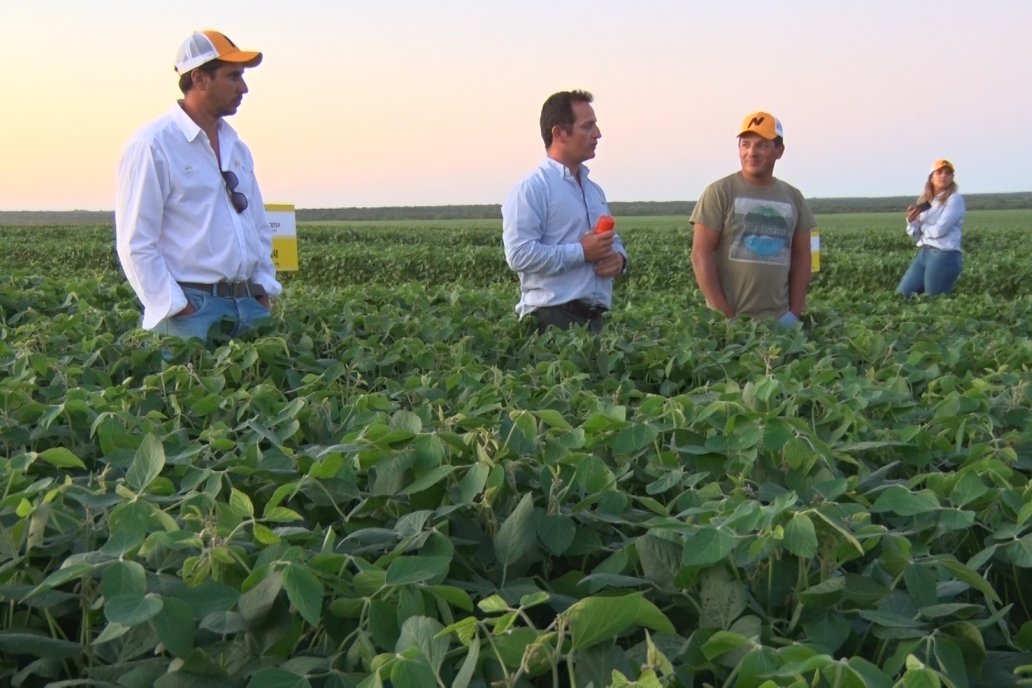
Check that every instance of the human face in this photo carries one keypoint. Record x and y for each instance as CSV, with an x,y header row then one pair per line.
x,y
578,144
758,156
224,89
942,178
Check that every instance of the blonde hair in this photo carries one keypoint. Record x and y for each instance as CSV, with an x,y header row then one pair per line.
x,y
929,190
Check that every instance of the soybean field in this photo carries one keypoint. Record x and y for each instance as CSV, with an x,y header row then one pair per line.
x,y
396,483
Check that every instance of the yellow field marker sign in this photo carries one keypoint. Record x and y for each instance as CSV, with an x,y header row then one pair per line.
x,y
815,250
283,221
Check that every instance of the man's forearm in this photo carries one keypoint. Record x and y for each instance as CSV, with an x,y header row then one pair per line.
x,y
709,283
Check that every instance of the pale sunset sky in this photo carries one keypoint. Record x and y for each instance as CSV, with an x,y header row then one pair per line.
x,y
437,103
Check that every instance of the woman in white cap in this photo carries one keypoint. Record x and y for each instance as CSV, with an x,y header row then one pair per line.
x,y
935,222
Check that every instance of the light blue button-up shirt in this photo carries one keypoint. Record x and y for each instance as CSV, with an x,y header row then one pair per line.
x,y
941,225
543,219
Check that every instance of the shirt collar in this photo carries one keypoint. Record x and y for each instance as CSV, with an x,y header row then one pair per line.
x,y
190,128
563,170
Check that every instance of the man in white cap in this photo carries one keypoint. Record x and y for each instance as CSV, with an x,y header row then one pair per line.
x,y
751,238
190,223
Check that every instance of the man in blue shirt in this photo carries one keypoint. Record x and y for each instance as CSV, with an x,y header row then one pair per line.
x,y
566,270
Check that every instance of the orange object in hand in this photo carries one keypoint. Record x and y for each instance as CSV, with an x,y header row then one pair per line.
x,y
605,224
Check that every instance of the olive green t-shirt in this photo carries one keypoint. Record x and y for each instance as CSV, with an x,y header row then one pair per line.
x,y
756,225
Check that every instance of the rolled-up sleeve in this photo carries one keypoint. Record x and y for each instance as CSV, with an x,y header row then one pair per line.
x,y
139,203
265,273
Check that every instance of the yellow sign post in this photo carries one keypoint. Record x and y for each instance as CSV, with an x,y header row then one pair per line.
x,y
815,250
284,236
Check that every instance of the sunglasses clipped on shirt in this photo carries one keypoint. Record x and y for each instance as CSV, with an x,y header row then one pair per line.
x,y
238,199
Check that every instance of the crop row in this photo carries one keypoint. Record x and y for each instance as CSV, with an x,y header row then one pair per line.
x,y
396,481
865,253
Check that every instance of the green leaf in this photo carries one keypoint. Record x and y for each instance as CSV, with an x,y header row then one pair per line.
x,y
968,488
424,633
456,597
473,482
555,532
519,432
553,419
899,500
709,545
465,630
920,678
492,604
801,537
263,535
281,514
277,678
469,664
409,570
593,475
723,642
969,576
407,421
412,673
722,598
824,594
174,626
17,643
429,479
123,578
1019,552
62,458
240,504
517,534
304,591
596,619
254,605
634,438
113,631
950,660
130,610
147,463
660,559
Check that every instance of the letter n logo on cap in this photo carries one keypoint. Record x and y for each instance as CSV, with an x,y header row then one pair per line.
x,y
756,121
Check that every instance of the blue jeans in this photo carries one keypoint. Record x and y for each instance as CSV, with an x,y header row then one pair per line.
x,y
229,316
934,271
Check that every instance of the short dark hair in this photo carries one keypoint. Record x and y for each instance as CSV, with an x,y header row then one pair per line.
x,y
186,79
558,111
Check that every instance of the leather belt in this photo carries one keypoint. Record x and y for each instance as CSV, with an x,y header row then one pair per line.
x,y
583,309
229,290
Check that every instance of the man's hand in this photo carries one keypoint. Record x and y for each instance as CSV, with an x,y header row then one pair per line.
x,y
610,266
189,310
598,246
265,300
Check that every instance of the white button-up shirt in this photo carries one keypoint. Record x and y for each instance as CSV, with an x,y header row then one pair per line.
x,y
543,219
174,221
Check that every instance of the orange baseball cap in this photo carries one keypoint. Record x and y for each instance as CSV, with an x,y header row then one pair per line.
x,y
204,46
941,163
763,123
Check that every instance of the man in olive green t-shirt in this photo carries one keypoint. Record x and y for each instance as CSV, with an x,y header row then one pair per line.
x,y
751,240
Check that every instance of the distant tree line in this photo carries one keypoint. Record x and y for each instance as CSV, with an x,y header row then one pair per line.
x,y
988,201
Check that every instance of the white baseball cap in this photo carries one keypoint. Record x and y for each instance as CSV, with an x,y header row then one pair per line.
x,y
204,46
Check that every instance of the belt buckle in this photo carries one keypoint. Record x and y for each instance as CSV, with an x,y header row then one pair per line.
x,y
225,289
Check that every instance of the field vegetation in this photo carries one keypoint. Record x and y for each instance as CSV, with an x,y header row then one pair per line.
x,y
395,483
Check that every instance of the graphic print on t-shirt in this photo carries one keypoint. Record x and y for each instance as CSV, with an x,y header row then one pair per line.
x,y
763,231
